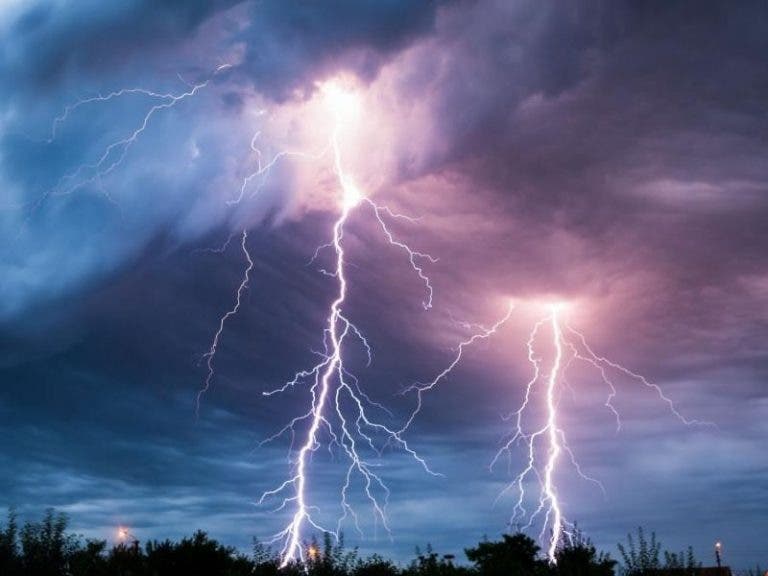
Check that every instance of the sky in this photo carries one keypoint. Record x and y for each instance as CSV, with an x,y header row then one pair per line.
x,y
611,155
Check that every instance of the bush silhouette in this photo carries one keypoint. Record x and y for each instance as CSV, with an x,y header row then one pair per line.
x,y
515,555
46,548
579,557
642,557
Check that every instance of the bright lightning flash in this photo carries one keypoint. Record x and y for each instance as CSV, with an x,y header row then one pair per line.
x,y
339,408
546,443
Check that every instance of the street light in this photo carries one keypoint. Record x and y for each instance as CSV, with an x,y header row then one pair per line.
x,y
718,550
124,535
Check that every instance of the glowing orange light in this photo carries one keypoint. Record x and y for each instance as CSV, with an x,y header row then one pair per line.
x,y
313,552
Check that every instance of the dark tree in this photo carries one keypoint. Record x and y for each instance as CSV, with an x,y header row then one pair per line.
x,y
682,563
267,563
10,561
195,556
46,547
431,563
126,560
90,560
331,559
375,566
643,558
579,557
515,555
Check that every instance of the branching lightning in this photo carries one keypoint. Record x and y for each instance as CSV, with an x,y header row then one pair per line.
x,y
112,155
263,168
546,443
340,414
339,407
420,388
209,356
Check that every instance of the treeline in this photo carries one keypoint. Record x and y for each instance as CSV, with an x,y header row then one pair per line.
x,y
46,548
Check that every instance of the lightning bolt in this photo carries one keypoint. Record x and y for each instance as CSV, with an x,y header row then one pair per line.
x,y
420,388
553,433
545,445
260,175
210,355
263,168
112,155
339,407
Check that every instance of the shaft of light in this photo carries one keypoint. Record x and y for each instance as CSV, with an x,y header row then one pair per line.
x,y
293,548
554,440
349,427
546,441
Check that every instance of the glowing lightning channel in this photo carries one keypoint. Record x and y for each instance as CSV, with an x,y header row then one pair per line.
x,y
263,168
334,389
211,354
550,433
331,382
600,362
420,388
545,445
554,441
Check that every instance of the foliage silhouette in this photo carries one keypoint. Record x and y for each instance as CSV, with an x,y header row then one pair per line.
x,y
515,555
10,561
579,557
46,548
643,558
375,566
430,563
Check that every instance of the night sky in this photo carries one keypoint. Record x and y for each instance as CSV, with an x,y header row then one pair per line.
x,y
613,155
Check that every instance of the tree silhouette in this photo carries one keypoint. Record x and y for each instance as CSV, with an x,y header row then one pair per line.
x,y
375,566
10,562
515,555
579,557
46,548
643,558
640,558
195,556
430,563
90,560
331,559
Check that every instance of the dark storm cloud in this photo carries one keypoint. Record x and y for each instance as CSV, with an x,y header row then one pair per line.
x,y
59,53
291,44
287,43
605,124
47,42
